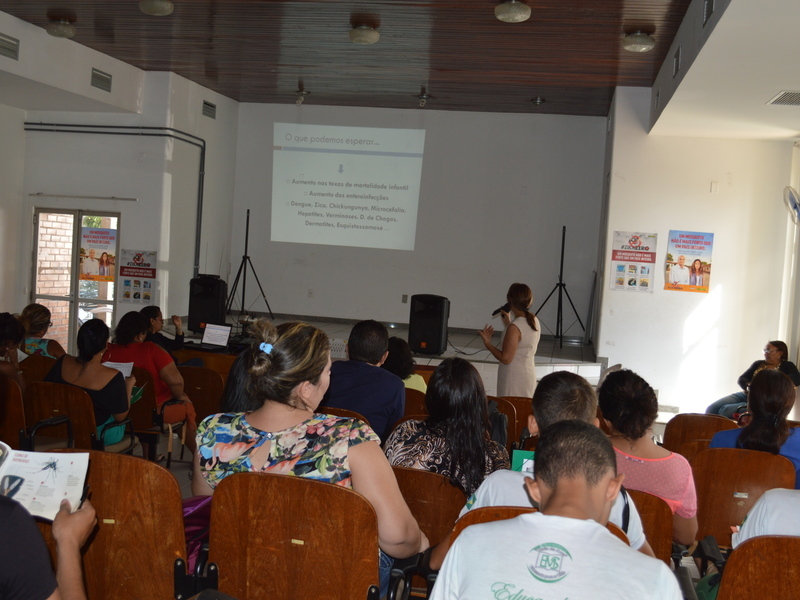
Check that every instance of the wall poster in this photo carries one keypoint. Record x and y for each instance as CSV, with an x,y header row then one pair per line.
x,y
137,273
633,258
688,262
97,254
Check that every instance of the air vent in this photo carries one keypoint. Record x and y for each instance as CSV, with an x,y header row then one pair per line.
x,y
658,98
209,110
676,62
708,10
786,99
9,47
100,80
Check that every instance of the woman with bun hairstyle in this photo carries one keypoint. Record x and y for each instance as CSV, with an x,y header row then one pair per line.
x,y
129,346
286,372
35,318
454,440
516,375
769,401
109,390
630,408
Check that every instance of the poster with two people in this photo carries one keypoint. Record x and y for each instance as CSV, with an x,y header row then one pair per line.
x,y
688,263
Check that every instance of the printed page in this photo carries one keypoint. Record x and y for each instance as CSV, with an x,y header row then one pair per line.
x,y
41,480
124,368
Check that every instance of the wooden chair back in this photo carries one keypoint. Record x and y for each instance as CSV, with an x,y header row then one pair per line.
x,y
728,483
522,404
142,413
425,371
656,521
204,387
45,400
139,534
35,367
12,412
500,513
692,448
514,425
685,427
433,500
415,403
762,567
342,412
281,536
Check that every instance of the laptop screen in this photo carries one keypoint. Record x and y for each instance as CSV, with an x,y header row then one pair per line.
x,y
216,335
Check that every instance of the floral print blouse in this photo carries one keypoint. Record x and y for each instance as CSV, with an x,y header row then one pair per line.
x,y
316,448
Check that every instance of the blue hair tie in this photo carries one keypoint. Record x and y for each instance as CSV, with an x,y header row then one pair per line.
x,y
266,348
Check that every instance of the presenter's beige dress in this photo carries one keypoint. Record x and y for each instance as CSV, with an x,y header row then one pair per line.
x,y
518,378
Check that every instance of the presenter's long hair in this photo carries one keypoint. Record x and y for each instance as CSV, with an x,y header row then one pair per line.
x,y
520,296
769,401
458,409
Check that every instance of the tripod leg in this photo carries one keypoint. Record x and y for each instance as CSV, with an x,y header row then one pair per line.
x,y
263,295
233,289
573,308
546,299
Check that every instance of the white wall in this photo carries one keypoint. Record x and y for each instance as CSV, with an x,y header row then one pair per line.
x,y
495,191
12,167
692,347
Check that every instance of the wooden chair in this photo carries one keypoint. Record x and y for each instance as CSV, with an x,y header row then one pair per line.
x,y
415,403
13,424
280,536
148,423
514,425
692,448
138,548
762,567
657,523
48,400
685,427
204,387
35,367
343,412
522,404
728,483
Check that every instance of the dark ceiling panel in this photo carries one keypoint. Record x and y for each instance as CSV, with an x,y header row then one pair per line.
x,y
568,53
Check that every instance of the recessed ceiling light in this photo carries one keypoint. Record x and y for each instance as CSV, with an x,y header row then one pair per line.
x,y
512,11
156,8
364,35
61,28
638,42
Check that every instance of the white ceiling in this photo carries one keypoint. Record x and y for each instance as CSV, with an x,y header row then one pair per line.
x,y
752,55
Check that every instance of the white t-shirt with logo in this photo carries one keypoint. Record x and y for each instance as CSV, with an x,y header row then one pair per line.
x,y
777,512
537,556
507,488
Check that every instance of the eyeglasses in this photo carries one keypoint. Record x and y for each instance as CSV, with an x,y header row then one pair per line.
x,y
769,350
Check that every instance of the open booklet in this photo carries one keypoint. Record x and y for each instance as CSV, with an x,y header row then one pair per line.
x,y
41,480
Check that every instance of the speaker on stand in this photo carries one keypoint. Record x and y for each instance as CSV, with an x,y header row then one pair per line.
x,y
427,324
207,294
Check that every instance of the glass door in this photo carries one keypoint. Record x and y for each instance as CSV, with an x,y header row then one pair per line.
x,y
74,272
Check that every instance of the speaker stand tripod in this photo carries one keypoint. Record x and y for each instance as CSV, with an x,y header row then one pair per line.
x,y
562,289
242,273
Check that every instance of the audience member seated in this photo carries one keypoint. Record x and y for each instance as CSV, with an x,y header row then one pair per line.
x,y
564,550
26,572
558,397
769,401
156,318
288,370
236,396
401,363
776,356
777,512
129,346
11,334
454,440
109,390
630,408
35,318
360,385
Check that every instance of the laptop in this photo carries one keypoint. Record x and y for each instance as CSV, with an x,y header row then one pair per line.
x,y
215,338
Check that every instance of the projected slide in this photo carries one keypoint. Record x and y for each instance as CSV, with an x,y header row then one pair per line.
x,y
346,186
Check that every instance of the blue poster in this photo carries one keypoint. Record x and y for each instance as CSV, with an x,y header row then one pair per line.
x,y
688,264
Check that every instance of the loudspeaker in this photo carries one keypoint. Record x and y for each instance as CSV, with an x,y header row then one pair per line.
x,y
427,324
207,294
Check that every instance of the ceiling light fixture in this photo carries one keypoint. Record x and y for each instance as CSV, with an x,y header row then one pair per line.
x,y
512,11
364,35
538,101
638,42
156,8
61,28
423,97
301,95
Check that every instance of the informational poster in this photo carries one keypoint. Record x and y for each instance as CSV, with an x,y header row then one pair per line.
x,y
97,254
137,273
633,258
688,264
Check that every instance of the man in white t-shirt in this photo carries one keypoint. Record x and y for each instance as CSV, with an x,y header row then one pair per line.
x,y
679,274
563,551
91,266
777,512
559,396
